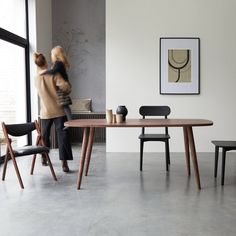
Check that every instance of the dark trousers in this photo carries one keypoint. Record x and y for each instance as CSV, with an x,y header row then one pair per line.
x,y
67,111
64,145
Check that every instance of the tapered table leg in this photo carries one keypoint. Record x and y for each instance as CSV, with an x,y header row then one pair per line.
x,y
89,149
83,155
186,145
194,155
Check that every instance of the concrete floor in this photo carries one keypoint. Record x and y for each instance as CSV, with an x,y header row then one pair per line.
x,y
116,199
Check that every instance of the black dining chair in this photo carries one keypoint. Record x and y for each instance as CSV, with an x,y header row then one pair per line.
x,y
226,146
17,130
155,111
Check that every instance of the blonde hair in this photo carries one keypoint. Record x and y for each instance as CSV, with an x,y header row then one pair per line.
x,y
39,59
59,55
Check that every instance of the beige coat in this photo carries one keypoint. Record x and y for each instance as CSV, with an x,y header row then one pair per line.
x,y
47,86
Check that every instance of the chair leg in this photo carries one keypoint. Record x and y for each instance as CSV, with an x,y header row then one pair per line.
x,y
141,155
168,151
167,165
51,167
5,166
216,160
33,164
167,156
223,167
17,171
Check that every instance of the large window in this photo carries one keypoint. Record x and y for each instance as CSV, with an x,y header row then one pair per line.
x,y
13,81
13,17
14,61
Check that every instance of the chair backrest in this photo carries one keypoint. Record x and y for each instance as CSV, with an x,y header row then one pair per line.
x,y
154,111
18,129
163,111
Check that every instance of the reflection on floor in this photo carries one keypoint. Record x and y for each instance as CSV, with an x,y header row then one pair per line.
x,y
116,199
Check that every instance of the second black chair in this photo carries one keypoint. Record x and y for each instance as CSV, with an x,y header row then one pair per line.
x,y
155,111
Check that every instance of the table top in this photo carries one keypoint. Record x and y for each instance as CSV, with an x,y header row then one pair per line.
x,y
101,123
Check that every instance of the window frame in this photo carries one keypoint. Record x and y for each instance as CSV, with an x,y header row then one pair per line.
x,y
24,43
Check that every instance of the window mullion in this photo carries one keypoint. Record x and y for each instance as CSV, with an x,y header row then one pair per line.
x,y
12,38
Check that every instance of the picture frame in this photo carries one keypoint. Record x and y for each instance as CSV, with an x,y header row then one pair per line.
x,y
179,65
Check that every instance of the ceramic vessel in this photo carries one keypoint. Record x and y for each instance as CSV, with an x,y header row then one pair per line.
x,y
114,118
123,111
109,115
119,118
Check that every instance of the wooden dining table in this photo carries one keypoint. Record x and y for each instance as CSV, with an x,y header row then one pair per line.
x,y
89,126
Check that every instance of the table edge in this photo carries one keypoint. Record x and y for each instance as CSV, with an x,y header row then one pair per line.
x,y
101,124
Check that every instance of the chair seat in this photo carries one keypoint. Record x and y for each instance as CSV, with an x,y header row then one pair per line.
x,y
154,137
226,144
30,150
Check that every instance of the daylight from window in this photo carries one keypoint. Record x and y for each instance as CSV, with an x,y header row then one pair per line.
x,y
12,61
12,16
12,78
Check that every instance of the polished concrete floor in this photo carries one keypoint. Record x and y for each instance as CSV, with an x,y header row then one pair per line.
x,y
117,199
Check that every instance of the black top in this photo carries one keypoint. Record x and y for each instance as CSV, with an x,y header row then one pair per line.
x,y
58,68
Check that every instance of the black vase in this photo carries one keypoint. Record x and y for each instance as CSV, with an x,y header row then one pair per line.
x,y
122,110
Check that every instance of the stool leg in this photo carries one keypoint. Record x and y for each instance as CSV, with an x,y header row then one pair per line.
x,y
216,160
223,166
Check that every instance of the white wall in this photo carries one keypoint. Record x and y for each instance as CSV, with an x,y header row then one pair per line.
x,y
44,26
40,32
79,27
133,29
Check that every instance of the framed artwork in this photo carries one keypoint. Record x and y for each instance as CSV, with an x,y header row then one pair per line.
x,y
179,65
